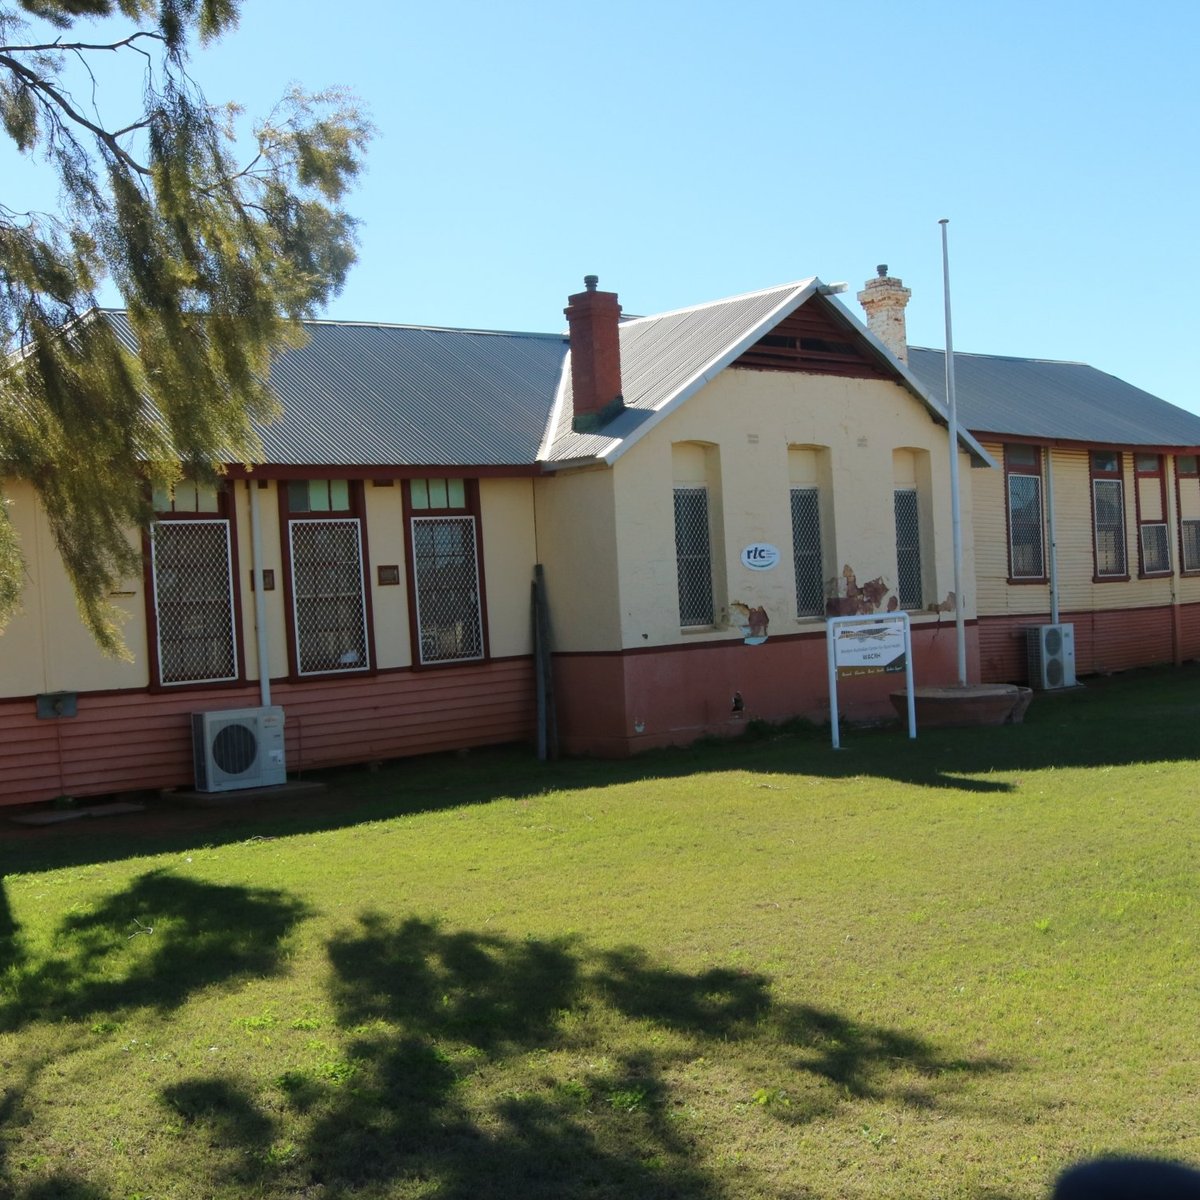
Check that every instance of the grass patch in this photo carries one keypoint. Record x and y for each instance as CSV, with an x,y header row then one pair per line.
x,y
759,969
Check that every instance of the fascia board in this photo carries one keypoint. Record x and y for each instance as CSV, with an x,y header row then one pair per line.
x,y
715,366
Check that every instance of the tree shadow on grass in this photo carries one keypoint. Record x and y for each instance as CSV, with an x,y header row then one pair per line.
x,y
475,1065
152,945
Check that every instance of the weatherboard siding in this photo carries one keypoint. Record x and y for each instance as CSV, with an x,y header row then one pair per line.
x,y
1079,590
132,741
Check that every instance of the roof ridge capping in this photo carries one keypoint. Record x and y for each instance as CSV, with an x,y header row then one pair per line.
x,y
797,285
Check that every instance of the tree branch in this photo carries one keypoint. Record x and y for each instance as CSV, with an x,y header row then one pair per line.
x,y
64,46
44,88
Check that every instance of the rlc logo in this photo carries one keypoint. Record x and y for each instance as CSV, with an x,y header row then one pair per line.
x,y
761,556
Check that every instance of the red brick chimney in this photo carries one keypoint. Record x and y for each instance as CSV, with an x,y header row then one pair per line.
x,y
592,318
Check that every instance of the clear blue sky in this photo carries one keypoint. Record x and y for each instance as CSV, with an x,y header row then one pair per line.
x,y
685,152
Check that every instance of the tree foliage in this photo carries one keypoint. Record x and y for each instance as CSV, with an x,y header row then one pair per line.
x,y
217,253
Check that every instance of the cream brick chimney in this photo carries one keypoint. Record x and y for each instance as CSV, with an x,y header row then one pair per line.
x,y
884,299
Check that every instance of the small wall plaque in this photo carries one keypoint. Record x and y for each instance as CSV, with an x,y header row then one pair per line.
x,y
389,576
56,704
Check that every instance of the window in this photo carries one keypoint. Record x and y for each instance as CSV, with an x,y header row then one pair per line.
x,y
1187,486
810,477
1154,541
693,555
908,549
806,551
1026,545
447,596
192,576
326,566
1108,515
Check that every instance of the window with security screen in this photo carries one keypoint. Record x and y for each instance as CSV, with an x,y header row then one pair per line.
x,y
192,579
1108,516
1026,543
445,572
909,590
693,556
806,551
328,599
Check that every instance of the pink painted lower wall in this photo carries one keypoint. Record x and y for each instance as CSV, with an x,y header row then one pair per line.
x,y
1113,640
619,704
131,741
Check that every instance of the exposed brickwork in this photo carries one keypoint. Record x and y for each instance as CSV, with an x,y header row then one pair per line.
x,y
592,318
884,299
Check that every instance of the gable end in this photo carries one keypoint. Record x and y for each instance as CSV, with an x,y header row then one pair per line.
x,y
811,341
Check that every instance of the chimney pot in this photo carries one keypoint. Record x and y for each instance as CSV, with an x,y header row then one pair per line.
x,y
882,270
590,282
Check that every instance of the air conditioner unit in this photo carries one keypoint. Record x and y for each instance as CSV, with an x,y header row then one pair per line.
x,y
238,748
1051,654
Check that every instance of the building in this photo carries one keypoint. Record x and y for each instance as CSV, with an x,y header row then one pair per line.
x,y
1093,518
417,477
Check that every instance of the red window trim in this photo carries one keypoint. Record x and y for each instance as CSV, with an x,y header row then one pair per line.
x,y
226,511
358,512
1036,469
1117,475
1159,473
473,509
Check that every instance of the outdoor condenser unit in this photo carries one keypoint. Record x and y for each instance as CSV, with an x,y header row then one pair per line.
x,y
1051,654
238,748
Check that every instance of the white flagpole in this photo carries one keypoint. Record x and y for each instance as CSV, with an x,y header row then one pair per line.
x,y
960,634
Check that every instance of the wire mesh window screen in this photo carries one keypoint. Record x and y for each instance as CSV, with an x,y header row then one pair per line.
x,y
1026,553
193,601
1191,545
446,575
693,556
1108,506
908,549
1156,552
329,607
806,551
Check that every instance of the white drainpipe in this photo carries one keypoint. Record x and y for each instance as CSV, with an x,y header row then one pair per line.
x,y
260,597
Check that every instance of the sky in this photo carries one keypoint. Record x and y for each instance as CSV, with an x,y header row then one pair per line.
x,y
686,152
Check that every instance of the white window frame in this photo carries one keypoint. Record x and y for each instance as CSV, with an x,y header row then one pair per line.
x,y
1119,485
340,668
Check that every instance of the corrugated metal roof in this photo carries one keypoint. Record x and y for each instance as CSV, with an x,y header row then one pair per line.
x,y
665,358
1040,398
660,357
404,395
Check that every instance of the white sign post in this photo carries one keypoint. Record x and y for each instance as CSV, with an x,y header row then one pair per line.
x,y
872,645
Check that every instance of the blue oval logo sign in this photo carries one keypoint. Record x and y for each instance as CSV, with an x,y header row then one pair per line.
x,y
761,556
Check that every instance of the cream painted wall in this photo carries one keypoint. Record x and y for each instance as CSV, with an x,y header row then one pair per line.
x,y
575,513
385,547
46,647
1079,591
751,418
509,555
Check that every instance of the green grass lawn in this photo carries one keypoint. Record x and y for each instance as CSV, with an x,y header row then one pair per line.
x,y
765,969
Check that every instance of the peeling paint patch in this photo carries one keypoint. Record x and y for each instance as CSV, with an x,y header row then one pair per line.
x,y
857,600
752,620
